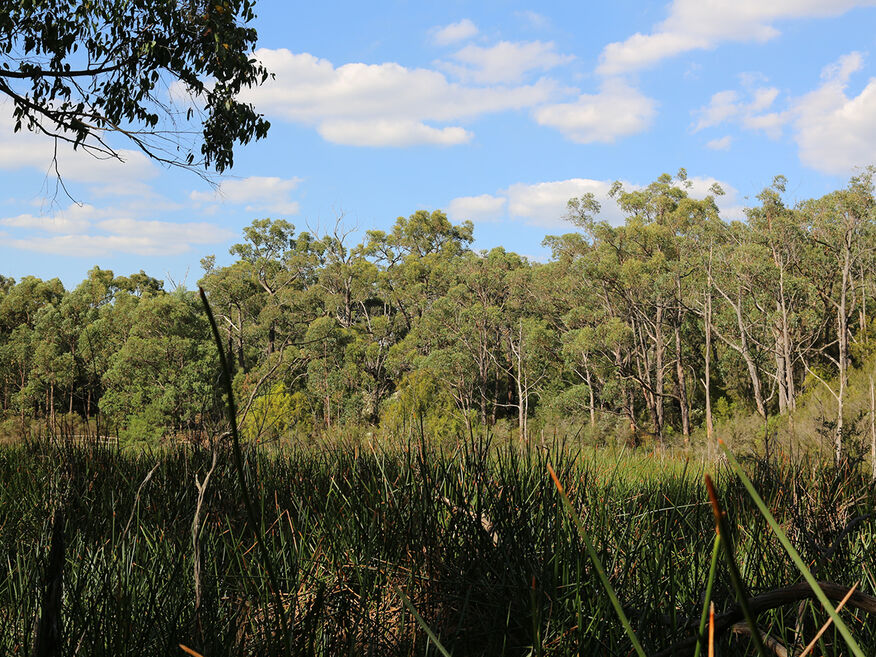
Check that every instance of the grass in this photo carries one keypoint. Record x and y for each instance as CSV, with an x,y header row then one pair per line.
x,y
476,542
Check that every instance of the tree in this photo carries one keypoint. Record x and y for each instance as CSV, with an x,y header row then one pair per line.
x,y
841,232
163,378
80,71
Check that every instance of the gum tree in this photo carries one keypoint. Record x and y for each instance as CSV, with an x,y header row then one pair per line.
x,y
82,72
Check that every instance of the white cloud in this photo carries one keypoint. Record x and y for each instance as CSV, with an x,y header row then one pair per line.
x,y
545,204
257,193
476,208
391,133
454,32
538,204
533,19
729,204
28,150
618,110
699,24
724,105
48,224
86,231
720,144
505,62
344,102
728,106
836,133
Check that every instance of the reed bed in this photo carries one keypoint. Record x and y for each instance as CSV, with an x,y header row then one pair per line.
x,y
411,551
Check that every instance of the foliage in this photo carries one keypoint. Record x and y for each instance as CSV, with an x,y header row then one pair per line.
x,y
474,537
81,71
674,326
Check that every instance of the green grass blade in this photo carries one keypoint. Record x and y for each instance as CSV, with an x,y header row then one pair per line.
x,y
237,459
432,637
792,552
713,569
597,565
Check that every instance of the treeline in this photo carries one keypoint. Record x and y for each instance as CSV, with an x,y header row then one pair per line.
x,y
659,327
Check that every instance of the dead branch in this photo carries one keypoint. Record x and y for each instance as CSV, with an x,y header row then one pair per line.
x,y
774,599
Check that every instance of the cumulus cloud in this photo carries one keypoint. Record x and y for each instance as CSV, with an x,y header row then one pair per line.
x,y
834,132
476,208
720,144
749,112
505,62
256,193
86,231
454,32
28,150
618,110
729,203
696,25
383,132
544,204
537,204
356,104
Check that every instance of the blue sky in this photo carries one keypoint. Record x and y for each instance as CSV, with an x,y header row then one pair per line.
x,y
497,112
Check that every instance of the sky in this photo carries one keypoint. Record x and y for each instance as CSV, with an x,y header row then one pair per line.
x,y
495,111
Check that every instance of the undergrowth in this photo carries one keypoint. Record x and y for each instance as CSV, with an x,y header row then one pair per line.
x,y
475,539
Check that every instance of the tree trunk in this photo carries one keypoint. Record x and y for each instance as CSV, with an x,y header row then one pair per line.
x,y
781,379
749,361
743,349
843,343
659,356
521,390
681,379
710,427
590,390
785,347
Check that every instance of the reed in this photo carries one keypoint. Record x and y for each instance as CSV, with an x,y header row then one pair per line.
x,y
476,539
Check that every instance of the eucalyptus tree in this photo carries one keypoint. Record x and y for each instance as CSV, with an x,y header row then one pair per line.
x,y
20,308
163,379
88,72
842,233
640,267
787,302
417,260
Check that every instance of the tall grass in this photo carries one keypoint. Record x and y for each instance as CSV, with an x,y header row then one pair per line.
x,y
475,539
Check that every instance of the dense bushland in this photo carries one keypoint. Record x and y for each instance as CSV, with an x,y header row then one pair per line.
x,y
661,328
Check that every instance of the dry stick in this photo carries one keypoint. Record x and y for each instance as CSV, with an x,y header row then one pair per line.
x,y
778,598
189,651
137,500
824,627
237,459
768,641
196,531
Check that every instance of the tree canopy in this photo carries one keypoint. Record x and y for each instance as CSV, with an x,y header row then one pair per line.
x,y
664,326
79,72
